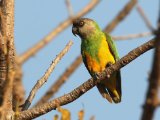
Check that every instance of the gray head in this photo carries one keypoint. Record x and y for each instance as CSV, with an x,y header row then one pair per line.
x,y
84,27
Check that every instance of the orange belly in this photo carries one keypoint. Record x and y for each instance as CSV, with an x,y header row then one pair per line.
x,y
104,56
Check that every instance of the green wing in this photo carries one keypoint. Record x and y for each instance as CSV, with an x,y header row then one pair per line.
x,y
112,47
114,52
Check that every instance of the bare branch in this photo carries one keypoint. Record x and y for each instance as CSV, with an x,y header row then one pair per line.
x,y
8,57
45,77
132,36
7,111
76,93
69,8
121,15
144,17
18,88
61,27
60,81
152,98
8,86
3,67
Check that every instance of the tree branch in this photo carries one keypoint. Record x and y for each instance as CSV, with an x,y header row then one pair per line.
x,y
61,27
45,77
144,17
69,8
60,81
76,93
7,52
132,36
152,100
121,15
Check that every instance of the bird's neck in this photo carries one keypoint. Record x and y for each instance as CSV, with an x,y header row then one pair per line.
x,y
92,44
92,39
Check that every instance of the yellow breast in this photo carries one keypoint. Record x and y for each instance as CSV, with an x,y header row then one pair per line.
x,y
104,55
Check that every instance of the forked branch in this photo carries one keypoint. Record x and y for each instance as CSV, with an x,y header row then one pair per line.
x,y
45,77
60,81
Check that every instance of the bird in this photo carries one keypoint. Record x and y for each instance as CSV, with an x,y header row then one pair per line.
x,y
98,52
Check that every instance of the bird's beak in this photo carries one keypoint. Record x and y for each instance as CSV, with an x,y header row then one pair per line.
x,y
75,31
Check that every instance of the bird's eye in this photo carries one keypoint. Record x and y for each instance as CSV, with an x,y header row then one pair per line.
x,y
81,23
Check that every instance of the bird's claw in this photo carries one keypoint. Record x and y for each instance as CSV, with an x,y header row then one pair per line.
x,y
96,76
109,64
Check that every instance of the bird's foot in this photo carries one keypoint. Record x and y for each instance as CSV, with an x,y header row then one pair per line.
x,y
96,76
109,64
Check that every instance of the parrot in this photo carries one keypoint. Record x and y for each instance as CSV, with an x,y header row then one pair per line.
x,y
98,52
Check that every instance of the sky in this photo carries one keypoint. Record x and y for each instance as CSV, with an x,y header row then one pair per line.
x,y
34,19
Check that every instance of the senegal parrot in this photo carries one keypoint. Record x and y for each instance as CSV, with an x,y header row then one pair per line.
x,y
98,52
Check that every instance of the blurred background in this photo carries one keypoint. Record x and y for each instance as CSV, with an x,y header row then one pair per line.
x,y
34,19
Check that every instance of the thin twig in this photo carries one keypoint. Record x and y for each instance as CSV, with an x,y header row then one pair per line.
x,y
52,90
45,77
76,93
121,15
69,8
132,36
144,17
61,27
60,81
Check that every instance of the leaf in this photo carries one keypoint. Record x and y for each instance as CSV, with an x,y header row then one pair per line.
x,y
81,114
55,117
65,114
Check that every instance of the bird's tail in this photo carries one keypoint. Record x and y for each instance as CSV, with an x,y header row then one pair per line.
x,y
104,92
111,88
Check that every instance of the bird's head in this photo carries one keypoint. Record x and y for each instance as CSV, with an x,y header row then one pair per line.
x,y
84,27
